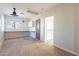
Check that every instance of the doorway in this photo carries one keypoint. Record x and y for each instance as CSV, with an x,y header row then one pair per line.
x,y
38,29
49,29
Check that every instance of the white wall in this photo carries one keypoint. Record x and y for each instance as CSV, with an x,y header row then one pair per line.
x,y
1,29
19,25
17,28
42,29
66,26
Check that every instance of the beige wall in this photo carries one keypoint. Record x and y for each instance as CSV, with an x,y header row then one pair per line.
x,y
64,29
77,30
66,26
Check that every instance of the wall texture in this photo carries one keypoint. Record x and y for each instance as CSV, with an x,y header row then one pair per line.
x,y
64,34
66,26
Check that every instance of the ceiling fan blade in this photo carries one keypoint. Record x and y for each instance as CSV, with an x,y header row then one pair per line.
x,y
13,15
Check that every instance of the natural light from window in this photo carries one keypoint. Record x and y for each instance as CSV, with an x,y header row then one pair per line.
x,y
49,26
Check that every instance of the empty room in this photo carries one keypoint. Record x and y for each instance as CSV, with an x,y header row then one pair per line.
x,y
39,29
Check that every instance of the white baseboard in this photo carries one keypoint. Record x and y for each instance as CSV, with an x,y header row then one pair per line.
x,y
1,46
66,49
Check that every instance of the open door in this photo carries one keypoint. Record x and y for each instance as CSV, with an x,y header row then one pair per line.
x,y
38,29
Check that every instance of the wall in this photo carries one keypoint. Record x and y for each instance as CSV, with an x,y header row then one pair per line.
x,y
77,30
16,24
66,26
15,27
1,29
42,29
64,31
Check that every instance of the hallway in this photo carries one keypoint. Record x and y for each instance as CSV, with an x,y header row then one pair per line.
x,y
26,46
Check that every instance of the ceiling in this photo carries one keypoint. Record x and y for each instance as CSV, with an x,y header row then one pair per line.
x,y
21,8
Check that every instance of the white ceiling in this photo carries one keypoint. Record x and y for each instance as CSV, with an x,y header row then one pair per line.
x,y
7,8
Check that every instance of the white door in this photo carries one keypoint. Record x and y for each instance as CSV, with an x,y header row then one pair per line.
x,y
49,27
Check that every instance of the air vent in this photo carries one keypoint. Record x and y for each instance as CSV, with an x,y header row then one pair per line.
x,y
32,12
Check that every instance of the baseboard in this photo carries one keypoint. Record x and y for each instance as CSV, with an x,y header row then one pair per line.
x,y
1,44
66,50
16,37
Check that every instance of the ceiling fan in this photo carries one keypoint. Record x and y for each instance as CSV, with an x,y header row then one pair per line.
x,y
14,12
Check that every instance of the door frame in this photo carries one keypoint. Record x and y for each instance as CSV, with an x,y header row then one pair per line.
x,y
38,29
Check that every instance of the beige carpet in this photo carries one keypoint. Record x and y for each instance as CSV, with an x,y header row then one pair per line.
x,y
29,47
